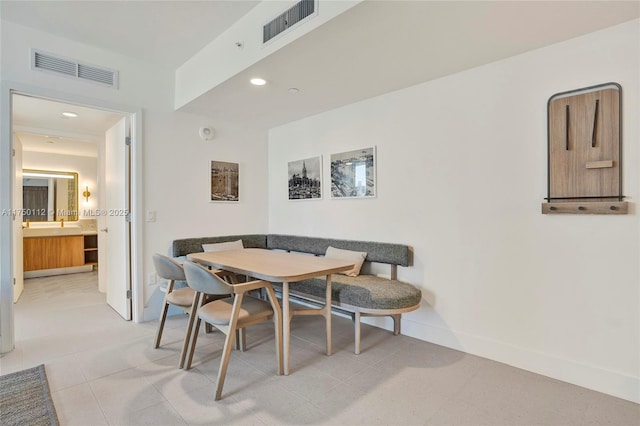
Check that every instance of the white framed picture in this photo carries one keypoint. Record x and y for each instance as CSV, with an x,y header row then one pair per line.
x,y
353,174
305,179
224,181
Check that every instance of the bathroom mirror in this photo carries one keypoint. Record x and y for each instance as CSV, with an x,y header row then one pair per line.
x,y
49,196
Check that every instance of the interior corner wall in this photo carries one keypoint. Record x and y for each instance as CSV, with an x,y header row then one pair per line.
x,y
461,175
175,169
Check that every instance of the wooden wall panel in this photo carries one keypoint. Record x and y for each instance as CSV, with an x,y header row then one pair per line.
x,y
574,145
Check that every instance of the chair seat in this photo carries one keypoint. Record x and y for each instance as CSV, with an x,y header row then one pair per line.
x,y
181,297
219,312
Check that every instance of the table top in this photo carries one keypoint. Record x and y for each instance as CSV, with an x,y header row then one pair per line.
x,y
271,265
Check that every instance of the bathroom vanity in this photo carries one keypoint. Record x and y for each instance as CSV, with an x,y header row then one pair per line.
x,y
56,240
55,251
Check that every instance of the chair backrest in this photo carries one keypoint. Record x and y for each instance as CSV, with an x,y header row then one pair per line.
x,y
167,268
203,281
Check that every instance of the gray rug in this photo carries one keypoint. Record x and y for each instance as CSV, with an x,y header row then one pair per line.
x,y
25,399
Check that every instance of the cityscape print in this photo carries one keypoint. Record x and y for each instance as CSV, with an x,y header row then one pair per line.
x,y
224,181
353,174
305,179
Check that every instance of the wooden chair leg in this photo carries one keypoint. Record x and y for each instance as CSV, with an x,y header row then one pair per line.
x,y
163,315
194,339
228,343
224,363
187,338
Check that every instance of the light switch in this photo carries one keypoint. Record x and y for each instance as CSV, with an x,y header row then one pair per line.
x,y
151,215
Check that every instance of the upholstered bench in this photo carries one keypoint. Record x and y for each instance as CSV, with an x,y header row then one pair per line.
x,y
361,295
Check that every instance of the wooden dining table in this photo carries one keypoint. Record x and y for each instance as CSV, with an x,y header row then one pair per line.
x,y
284,267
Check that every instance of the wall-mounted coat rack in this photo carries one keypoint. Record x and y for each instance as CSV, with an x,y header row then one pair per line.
x,y
584,152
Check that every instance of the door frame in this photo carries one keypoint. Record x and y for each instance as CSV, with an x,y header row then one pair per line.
x,y
7,177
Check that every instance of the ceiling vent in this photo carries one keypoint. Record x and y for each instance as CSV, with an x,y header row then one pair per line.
x,y
301,11
42,61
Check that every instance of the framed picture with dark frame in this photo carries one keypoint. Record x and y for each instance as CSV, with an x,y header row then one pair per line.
x,y
353,174
224,181
305,179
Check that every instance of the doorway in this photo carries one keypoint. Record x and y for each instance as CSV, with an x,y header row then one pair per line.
x,y
76,137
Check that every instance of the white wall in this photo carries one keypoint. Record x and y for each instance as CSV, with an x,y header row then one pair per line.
x,y
86,167
175,170
461,176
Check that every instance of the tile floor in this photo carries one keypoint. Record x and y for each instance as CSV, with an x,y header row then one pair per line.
x,y
103,371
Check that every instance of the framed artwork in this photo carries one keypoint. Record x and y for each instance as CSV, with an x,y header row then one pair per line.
x,y
224,181
353,174
305,179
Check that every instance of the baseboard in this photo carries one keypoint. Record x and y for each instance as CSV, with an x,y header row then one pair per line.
x,y
58,271
610,382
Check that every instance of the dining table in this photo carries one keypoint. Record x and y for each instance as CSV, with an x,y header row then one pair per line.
x,y
287,268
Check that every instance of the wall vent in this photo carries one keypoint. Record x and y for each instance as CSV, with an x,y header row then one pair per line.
x,y
301,11
42,61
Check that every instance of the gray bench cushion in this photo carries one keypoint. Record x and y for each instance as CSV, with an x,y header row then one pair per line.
x,y
186,246
363,291
393,254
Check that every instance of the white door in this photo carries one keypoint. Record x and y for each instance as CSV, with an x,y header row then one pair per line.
x,y
18,279
115,212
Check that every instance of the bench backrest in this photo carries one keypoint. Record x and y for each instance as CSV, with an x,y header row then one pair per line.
x,y
389,253
186,246
392,254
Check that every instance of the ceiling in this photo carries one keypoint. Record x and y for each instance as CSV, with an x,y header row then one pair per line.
x,y
41,127
380,46
163,32
373,48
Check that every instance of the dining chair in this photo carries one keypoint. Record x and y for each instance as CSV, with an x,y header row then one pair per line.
x,y
182,298
237,311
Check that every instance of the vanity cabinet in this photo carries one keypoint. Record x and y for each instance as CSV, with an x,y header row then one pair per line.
x,y
53,252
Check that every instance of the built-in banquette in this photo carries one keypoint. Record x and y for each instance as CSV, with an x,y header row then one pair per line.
x,y
362,295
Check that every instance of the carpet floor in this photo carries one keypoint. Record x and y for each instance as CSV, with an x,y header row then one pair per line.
x,y
25,399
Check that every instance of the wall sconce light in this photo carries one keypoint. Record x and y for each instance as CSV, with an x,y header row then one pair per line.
x,y
86,194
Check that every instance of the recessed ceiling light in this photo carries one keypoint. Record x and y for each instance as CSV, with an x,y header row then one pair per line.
x,y
69,114
294,90
258,81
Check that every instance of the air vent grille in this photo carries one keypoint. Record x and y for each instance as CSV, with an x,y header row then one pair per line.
x,y
281,23
96,74
54,64
47,62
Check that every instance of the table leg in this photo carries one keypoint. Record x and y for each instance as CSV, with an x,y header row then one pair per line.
x,y
327,313
286,327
